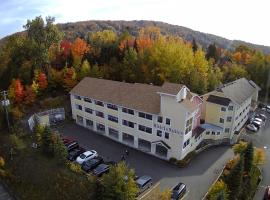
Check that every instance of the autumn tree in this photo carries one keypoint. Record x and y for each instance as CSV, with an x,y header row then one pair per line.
x,y
42,81
85,69
234,72
19,91
212,52
70,78
259,157
78,49
218,190
30,95
248,157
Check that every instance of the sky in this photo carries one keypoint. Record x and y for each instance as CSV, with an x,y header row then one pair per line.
x,y
246,20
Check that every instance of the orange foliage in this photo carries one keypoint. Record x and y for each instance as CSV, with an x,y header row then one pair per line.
x,y
42,81
143,43
19,91
65,47
79,48
237,56
70,78
30,95
126,43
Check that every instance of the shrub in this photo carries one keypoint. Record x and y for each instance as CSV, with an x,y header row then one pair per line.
x,y
16,142
173,160
186,159
218,191
75,167
2,162
259,157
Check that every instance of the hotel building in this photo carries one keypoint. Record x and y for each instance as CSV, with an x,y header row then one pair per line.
x,y
161,120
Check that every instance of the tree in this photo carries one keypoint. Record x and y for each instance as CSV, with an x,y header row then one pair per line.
x,y
30,95
47,142
85,69
35,87
39,132
218,191
194,45
119,183
248,157
60,150
70,78
95,72
234,180
259,157
19,91
78,49
42,35
212,52
240,147
233,72
42,81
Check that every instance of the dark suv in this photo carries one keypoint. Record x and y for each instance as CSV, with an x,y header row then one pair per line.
x,y
101,169
72,145
179,191
91,164
73,154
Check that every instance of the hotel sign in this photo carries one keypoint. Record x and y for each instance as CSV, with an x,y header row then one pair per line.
x,y
167,129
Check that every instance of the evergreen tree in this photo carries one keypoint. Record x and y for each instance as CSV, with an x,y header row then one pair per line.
x,y
234,180
212,52
47,142
248,157
194,45
60,151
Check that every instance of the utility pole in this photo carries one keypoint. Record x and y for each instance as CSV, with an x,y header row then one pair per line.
x,y
5,104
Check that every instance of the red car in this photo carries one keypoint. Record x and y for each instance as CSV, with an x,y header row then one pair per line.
x,y
267,193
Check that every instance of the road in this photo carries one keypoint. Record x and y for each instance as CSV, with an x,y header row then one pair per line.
x,y
4,195
198,175
261,139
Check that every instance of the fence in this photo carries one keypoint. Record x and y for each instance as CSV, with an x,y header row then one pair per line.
x,y
47,118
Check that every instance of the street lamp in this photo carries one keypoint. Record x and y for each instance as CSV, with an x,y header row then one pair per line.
x,y
5,104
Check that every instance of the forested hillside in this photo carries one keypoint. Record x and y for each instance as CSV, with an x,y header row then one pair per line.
x,y
45,61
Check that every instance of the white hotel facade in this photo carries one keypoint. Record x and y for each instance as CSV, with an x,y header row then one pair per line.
x,y
161,120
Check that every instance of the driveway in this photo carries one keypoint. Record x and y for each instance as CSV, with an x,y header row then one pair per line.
x,y
262,139
198,176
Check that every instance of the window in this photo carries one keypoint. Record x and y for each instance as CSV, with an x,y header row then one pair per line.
x,y
99,103
79,119
87,100
111,106
218,133
100,127
99,114
167,135
213,132
227,130
89,122
159,133
88,110
188,125
223,109
79,107
128,123
221,120
113,118
229,119
159,119
186,143
77,97
168,121
144,115
129,111
113,131
145,129
207,132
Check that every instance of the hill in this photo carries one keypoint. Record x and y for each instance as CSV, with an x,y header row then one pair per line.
x,y
81,29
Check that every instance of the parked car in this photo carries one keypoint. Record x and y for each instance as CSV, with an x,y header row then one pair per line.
x,y
72,155
72,145
267,193
262,116
257,124
87,155
91,164
252,127
144,182
178,191
101,169
258,119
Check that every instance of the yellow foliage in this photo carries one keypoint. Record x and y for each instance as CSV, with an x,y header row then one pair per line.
x,y
259,157
16,113
218,188
76,168
240,147
2,162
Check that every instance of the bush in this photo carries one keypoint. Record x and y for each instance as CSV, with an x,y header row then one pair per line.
x,y
75,167
173,160
184,162
16,142
218,191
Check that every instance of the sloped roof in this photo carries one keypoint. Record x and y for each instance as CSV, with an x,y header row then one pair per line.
x,y
138,96
239,90
218,100
197,131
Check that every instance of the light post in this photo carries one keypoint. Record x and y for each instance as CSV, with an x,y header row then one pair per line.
x,y
5,104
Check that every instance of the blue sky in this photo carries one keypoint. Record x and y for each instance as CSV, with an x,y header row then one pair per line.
x,y
234,19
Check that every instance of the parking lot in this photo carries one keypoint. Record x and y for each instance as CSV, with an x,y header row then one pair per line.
x,y
198,176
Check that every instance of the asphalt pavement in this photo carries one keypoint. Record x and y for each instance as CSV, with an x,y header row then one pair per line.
x,y
198,175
